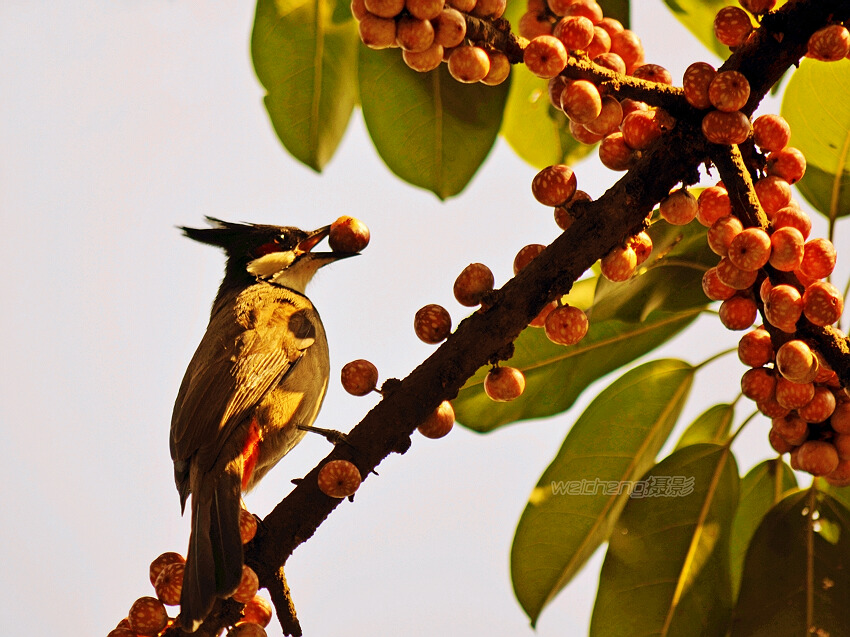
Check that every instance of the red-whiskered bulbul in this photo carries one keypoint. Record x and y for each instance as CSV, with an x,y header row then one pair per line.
x,y
259,374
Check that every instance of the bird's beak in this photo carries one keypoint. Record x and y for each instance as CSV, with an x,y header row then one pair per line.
x,y
313,238
326,257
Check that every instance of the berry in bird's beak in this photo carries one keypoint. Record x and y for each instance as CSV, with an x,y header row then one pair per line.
x,y
348,235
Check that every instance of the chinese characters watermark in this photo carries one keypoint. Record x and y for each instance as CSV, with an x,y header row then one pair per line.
x,y
650,487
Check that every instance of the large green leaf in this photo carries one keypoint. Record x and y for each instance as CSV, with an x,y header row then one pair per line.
x,y
698,17
710,426
670,280
817,106
577,500
764,486
305,55
431,130
667,567
797,571
555,375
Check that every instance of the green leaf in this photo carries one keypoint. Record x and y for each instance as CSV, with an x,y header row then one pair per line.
x,y
555,375
305,55
817,106
761,488
670,280
711,426
698,18
577,500
431,130
826,192
842,494
797,573
617,9
582,293
667,570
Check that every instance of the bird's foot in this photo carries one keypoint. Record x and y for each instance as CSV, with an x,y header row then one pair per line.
x,y
331,435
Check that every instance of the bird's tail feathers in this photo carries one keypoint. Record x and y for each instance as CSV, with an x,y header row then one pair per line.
x,y
214,558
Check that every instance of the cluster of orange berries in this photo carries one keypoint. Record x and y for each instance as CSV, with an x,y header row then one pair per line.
x,y
728,91
809,411
148,616
800,399
430,32
733,26
564,28
788,378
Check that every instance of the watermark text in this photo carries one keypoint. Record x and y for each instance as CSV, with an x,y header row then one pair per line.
x,y
651,487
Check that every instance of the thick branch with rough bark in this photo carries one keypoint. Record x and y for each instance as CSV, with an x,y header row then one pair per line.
x,y
487,335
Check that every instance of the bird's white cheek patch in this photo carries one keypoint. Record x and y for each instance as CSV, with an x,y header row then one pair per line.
x,y
270,264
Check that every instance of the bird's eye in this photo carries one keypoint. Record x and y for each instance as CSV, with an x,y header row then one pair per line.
x,y
267,248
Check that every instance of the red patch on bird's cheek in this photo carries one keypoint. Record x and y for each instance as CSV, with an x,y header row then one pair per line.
x,y
266,248
250,453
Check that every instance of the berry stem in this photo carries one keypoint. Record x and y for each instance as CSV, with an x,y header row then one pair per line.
x,y
736,177
740,428
846,289
496,33
812,506
714,357
681,263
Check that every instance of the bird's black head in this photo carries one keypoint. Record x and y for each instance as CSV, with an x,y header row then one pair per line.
x,y
279,254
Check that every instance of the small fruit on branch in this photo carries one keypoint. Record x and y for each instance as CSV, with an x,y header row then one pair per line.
x,y
503,384
554,185
162,561
258,611
359,377
469,64
695,83
247,526
545,56
472,284
169,584
247,629
339,479
248,585
679,208
440,422
720,127
147,616
432,323
732,25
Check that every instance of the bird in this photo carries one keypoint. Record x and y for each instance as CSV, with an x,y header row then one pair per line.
x,y
253,387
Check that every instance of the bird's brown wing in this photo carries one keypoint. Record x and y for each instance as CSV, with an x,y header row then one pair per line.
x,y
249,346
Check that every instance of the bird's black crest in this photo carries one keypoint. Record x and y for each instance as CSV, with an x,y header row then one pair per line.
x,y
241,237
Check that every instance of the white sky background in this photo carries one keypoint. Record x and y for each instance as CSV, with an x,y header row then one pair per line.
x,y
121,120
